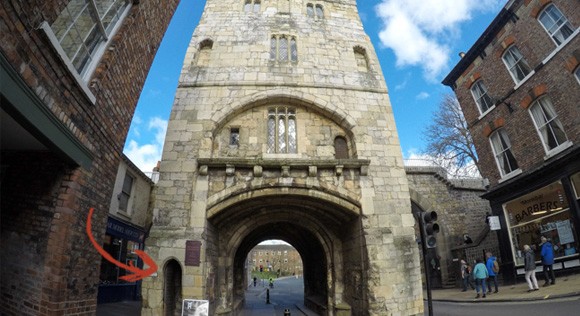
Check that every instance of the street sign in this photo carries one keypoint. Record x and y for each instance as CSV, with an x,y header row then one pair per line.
x,y
195,307
494,223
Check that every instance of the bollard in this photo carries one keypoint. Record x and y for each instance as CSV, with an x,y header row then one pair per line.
x,y
267,296
287,312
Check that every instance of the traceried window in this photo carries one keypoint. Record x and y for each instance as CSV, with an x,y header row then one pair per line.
x,y
516,63
283,48
555,24
548,124
83,29
482,98
504,157
360,56
282,130
252,6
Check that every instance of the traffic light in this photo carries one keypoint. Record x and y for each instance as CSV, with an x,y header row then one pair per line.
x,y
430,228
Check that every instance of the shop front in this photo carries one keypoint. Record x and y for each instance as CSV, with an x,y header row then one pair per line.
x,y
121,241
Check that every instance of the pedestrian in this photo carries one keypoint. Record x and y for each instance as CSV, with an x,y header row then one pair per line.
x,y
547,253
493,270
466,276
255,281
480,274
530,268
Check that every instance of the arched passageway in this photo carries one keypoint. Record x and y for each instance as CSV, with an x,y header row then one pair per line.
x,y
326,235
172,288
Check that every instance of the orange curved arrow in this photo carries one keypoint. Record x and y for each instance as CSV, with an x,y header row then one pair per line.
x,y
138,274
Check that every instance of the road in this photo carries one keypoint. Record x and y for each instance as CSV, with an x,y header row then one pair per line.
x,y
286,294
560,307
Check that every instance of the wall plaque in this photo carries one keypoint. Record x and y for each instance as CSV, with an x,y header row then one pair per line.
x,y
192,253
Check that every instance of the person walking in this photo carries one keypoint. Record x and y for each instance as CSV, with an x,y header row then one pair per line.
x,y
530,268
492,269
480,274
547,253
466,276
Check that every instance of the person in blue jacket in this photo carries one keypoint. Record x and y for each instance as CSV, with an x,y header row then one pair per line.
x,y
491,271
547,254
480,274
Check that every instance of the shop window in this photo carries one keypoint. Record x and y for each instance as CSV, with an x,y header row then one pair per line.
x,y
516,64
83,29
556,24
544,212
504,157
125,194
548,124
482,99
282,130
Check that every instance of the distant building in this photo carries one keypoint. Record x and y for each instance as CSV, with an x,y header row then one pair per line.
x,y
282,259
519,89
71,73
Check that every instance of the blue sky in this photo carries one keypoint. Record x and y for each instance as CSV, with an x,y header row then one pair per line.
x,y
417,43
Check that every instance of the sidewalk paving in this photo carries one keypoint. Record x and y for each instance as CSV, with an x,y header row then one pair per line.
x,y
565,286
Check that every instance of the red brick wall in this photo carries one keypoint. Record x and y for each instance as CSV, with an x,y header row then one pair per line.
x,y
48,264
556,77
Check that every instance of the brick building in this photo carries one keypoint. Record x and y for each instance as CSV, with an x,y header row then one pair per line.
x,y
71,73
282,258
518,87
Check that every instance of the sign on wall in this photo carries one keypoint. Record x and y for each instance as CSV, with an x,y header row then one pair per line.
x,y
192,253
494,223
195,308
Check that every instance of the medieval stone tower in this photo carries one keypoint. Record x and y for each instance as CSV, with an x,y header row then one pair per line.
x,y
282,129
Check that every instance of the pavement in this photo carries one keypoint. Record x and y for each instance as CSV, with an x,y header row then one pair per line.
x,y
566,286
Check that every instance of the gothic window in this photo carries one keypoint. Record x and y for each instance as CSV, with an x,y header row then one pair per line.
x,y
204,53
504,157
83,29
556,24
310,10
548,124
252,6
360,56
482,98
340,148
319,12
516,64
282,130
283,48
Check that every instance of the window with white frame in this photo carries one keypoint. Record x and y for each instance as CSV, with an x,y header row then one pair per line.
x,y
482,98
556,24
547,123
83,29
252,6
125,194
282,130
504,157
516,64
283,48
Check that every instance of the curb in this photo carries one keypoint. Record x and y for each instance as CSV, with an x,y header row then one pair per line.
x,y
507,300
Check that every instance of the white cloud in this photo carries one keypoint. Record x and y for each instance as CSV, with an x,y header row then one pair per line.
x,y
420,32
145,156
422,96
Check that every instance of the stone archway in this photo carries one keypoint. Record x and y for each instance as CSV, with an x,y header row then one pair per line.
x,y
172,288
321,231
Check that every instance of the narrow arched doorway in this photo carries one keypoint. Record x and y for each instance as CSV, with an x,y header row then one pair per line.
x,y
172,289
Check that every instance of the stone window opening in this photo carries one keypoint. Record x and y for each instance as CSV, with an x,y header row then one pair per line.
x,y
282,130
482,99
204,54
234,137
548,124
319,12
556,24
362,62
516,64
504,157
252,6
340,148
283,48
315,11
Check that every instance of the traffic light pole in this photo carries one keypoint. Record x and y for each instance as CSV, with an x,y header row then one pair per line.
x,y
426,265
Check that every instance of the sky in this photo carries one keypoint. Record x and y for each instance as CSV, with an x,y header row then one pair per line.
x,y
417,43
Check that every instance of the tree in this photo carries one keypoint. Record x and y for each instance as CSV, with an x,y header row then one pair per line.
x,y
449,143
